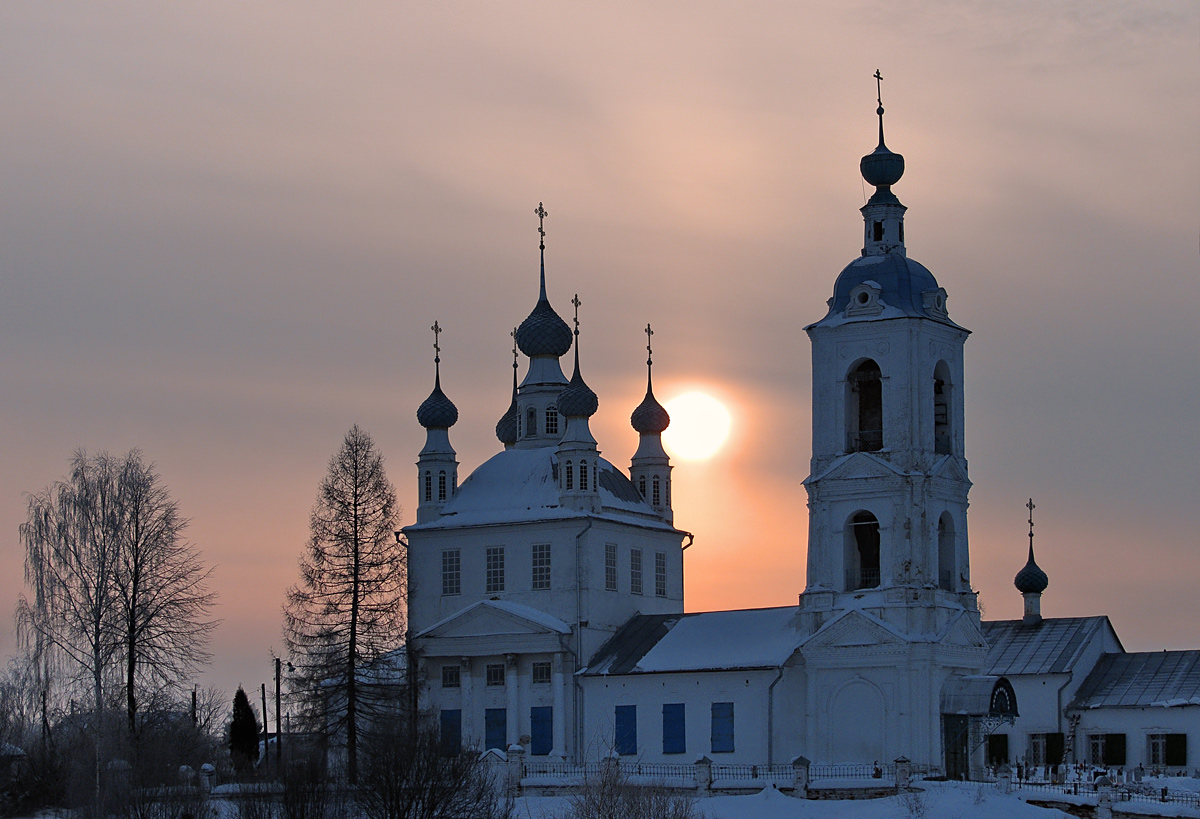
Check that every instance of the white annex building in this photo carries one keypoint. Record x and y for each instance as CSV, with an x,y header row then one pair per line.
x,y
546,590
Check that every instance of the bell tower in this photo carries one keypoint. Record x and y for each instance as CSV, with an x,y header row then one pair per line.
x,y
888,484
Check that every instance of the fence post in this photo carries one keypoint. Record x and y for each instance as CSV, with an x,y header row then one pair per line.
x,y
903,773
1104,791
516,767
704,775
1005,774
800,777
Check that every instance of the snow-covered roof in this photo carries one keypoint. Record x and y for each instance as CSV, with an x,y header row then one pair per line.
x,y
714,640
521,485
1051,646
528,613
1142,679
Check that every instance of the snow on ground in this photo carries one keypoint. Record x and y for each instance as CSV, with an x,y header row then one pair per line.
x,y
937,801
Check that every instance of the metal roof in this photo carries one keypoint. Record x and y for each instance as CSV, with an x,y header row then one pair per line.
x,y
1051,646
1141,679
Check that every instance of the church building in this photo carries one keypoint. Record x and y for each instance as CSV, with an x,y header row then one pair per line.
x,y
546,589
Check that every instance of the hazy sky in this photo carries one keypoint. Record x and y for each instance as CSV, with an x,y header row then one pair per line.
x,y
225,229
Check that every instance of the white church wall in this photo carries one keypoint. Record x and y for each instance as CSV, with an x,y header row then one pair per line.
x,y
1138,725
697,691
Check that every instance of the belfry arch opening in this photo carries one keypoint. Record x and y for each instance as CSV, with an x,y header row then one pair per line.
x,y
943,434
862,551
947,563
864,408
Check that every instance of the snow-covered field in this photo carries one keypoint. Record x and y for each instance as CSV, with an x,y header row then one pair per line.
x,y
938,800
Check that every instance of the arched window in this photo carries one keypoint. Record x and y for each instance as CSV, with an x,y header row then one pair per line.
x,y
428,485
552,421
583,476
531,423
656,501
864,408
442,485
642,485
942,433
947,568
862,551
570,476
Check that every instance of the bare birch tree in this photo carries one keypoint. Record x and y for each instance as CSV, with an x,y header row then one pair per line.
x,y
347,611
117,593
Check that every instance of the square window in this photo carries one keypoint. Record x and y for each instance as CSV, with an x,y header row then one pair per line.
x,y
451,572
451,676
541,566
495,569
610,567
495,674
541,673
635,571
660,574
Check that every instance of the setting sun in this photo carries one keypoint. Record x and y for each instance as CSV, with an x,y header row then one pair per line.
x,y
699,426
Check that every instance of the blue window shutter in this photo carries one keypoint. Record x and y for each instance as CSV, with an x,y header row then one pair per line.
x,y
451,732
722,727
541,723
673,731
626,733
495,727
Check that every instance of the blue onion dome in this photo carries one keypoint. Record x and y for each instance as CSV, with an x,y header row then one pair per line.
x,y
650,417
1031,579
437,411
507,427
577,400
882,168
543,332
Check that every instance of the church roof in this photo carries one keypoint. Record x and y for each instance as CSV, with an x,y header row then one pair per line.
x,y
902,281
1051,646
521,486
1142,679
702,641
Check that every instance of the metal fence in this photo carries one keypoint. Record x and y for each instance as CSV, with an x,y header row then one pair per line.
x,y
1121,793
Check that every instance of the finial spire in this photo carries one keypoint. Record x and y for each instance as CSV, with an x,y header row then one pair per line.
x,y
649,360
437,354
541,215
514,338
1030,506
879,99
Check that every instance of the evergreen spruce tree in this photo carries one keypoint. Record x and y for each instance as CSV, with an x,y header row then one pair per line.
x,y
243,733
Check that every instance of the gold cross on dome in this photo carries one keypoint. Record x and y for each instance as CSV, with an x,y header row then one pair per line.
x,y
514,338
437,330
878,87
1030,507
575,301
649,352
541,213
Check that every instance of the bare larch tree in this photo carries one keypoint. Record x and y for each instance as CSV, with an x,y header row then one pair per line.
x,y
347,612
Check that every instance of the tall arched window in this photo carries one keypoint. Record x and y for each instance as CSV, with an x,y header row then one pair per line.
x,y
552,421
947,568
570,476
428,485
442,485
642,485
942,432
862,551
656,501
864,408
531,422
583,476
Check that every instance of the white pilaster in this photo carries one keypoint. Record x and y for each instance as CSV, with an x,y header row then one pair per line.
x,y
510,690
560,709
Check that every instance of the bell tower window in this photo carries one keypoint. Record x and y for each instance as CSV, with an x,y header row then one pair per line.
x,y
531,423
428,485
442,485
552,421
877,232
946,561
941,409
864,408
570,476
862,551
583,476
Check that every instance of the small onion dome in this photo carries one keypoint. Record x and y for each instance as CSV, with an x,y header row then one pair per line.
x,y
881,168
1031,579
544,332
506,427
437,411
650,417
578,400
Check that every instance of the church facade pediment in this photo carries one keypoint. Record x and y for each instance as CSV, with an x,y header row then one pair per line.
x,y
859,466
478,629
853,630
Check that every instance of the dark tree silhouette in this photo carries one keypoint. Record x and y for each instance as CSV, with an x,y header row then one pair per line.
x,y
347,611
243,733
